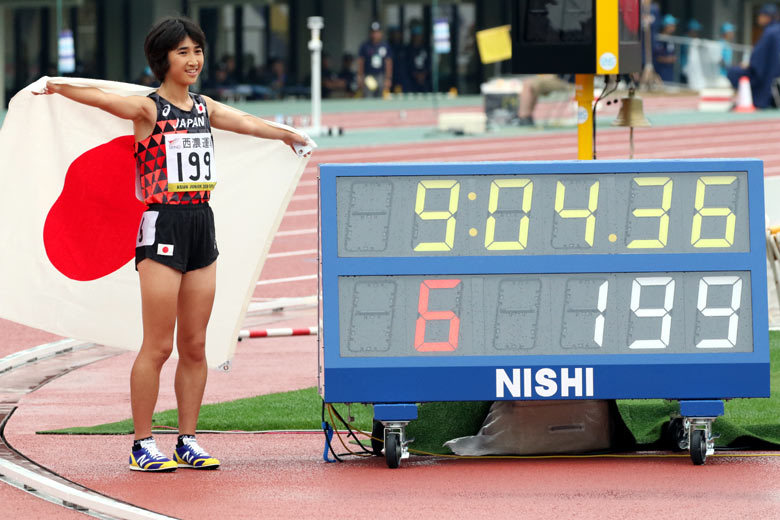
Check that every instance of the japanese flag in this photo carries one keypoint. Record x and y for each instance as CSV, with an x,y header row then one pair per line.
x,y
71,220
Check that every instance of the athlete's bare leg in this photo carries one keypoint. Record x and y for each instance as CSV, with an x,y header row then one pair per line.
x,y
159,296
196,298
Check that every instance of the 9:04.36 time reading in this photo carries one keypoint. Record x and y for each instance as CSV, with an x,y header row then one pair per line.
x,y
548,214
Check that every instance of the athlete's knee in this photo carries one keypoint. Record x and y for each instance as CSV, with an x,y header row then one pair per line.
x,y
192,350
157,352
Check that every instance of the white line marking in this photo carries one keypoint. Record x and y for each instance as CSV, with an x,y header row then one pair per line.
x,y
41,351
290,279
257,307
92,502
304,197
45,487
300,212
292,232
300,252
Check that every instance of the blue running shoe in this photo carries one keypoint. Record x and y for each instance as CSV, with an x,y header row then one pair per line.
x,y
149,458
191,455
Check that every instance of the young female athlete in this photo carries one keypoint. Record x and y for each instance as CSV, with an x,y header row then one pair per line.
x,y
176,249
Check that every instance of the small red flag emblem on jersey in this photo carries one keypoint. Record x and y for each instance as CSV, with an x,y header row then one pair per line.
x,y
165,249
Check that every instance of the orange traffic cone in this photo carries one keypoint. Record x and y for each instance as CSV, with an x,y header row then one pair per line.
x,y
744,96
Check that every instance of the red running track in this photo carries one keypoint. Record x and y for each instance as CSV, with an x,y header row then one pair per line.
x,y
271,476
546,110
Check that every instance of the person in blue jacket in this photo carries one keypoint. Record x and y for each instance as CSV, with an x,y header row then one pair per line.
x,y
726,53
664,53
764,66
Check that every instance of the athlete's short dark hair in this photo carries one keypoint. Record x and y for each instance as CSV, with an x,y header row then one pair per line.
x,y
164,37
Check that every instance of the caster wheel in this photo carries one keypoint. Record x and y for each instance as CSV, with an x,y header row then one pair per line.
x,y
698,447
676,434
377,432
393,450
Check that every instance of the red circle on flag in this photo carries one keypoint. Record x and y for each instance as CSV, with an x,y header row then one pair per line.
x,y
165,249
90,230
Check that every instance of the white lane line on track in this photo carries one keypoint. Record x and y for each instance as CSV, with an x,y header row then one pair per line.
x,y
300,212
41,351
293,232
45,487
96,503
272,281
308,196
300,252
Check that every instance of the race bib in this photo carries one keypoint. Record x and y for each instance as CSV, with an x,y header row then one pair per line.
x,y
189,161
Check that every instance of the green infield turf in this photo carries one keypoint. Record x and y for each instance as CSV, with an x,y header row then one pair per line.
x,y
745,420
296,410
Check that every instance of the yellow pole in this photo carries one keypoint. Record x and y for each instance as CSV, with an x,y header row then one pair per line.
x,y
607,37
583,85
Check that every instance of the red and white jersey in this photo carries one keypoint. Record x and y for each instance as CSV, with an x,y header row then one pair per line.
x,y
150,153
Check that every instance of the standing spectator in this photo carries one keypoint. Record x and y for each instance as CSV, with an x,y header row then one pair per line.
x,y
375,64
694,31
764,66
664,56
418,63
726,53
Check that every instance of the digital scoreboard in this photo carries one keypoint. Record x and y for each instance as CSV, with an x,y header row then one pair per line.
x,y
543,280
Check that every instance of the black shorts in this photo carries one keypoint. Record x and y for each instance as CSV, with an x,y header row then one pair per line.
x,y
181,236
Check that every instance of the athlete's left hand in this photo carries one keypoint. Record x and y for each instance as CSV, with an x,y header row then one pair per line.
x,y
291,139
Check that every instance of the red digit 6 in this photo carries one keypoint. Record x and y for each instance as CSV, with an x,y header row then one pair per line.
x,y
425,315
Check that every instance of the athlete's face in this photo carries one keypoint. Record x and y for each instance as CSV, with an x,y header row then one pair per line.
x,y
186,62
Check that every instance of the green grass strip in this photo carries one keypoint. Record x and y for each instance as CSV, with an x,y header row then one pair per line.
x,y
440,422
296,410
758,418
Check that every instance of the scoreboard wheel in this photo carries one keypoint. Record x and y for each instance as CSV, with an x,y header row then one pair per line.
x,y
698,447
393,450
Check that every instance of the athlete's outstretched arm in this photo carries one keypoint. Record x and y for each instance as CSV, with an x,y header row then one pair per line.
x,y
225,118
134,108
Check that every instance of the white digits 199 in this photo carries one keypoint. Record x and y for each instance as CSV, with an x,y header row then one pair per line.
x,y
663,313
731,311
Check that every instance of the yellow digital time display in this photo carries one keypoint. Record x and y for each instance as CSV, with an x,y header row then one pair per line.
x,y
542,214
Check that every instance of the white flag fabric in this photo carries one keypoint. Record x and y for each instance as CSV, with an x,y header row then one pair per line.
x,y
70,220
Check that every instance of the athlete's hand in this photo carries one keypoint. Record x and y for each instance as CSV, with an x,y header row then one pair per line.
x,y
291,139
50,88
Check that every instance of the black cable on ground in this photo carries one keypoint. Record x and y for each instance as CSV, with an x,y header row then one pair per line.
x,y
327,437
328,440
351,433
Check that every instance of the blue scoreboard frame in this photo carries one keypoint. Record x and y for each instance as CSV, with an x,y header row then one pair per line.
x,y
415,379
